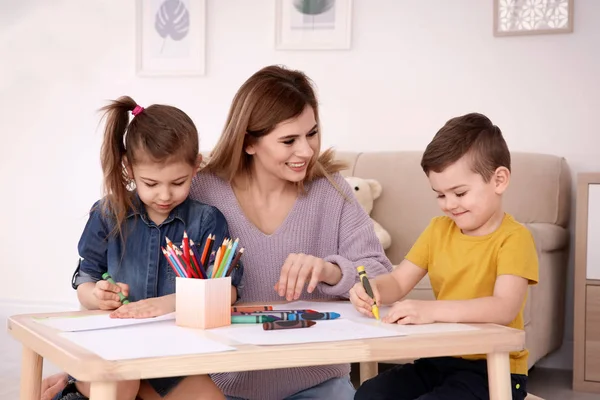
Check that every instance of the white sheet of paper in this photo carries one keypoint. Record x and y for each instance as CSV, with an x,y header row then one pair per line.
x,y
93,322
322,331
159,339
347,311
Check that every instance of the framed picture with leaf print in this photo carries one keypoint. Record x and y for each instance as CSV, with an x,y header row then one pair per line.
x,y
313,24
170,37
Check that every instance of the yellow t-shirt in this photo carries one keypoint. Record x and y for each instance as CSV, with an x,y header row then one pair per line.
x,y
463,267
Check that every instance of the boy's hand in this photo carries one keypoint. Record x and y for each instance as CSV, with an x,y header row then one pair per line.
x,y
106,295
361,300
411,312
148,308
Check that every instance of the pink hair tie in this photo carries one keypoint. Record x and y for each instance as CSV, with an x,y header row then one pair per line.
x,y
137,110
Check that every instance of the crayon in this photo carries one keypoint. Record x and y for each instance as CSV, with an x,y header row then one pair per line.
x,y
106,276
297,311
365,282
313,316
251,308
265,312
252,319
269,326
276,314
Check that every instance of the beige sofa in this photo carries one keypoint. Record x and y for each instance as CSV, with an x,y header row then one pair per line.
x,y
539,196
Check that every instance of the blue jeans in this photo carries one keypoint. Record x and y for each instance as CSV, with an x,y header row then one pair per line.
x,y
336,388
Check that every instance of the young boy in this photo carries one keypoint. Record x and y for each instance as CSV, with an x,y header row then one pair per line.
x,y
479,259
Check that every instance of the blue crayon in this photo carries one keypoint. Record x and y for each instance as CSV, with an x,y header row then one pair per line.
x,y
313,316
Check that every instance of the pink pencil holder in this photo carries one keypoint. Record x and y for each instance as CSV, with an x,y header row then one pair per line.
x,y
203,303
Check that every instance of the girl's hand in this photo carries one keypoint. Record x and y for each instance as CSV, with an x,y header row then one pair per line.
x,y
411,312
148,308
106,295
299,269
361,300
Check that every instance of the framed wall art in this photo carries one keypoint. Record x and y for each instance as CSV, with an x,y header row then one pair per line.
x,y
313,24
532,17
170,37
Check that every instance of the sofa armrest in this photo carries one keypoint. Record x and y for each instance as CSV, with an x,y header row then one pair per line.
x,y
545,308
548,237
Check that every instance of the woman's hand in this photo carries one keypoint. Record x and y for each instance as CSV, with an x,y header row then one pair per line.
x,y
299,269
148,308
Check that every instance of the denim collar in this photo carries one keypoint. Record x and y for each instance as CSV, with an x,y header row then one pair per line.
x,y
139,209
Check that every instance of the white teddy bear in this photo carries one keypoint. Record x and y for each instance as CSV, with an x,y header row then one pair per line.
x,y
366,191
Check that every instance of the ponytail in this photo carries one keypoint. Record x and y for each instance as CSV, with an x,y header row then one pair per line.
x,y
117,197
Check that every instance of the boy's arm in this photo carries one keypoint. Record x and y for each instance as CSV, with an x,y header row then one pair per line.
x,y
500,308
395,285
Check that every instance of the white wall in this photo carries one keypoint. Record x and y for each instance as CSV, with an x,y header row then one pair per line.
x,y
413,65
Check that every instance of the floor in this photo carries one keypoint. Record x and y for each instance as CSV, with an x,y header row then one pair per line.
x,y
549,384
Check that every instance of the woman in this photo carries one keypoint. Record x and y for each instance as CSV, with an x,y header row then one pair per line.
x,y
295,215
303,232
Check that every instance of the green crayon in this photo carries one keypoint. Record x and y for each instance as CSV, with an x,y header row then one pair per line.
x,y
252,319
106,276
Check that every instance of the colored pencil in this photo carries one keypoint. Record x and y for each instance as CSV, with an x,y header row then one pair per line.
x,y
186,252
236,260
169,261
195,257
190,261
205,251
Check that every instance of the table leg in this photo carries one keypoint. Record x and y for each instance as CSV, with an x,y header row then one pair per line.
x,y
498,365
367,371
31,375
103,390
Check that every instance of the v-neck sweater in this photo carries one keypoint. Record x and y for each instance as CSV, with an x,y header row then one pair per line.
x,y
322,223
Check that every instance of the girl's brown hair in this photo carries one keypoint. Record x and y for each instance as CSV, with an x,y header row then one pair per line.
x,y
272,95
158,133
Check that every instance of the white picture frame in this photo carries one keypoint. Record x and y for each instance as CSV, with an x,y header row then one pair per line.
x,y
532,17
313,24
170,37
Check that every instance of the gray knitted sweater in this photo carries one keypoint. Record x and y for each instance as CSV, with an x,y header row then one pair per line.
x,y
321,223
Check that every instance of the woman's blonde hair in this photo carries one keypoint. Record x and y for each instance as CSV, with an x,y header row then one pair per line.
x,y
270,96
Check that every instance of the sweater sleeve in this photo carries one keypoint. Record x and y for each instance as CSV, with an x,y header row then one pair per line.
x,y
357,245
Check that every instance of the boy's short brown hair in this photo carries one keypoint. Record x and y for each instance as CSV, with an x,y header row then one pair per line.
x,y
472,134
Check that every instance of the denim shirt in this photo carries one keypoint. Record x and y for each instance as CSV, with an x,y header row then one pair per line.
x,y
138,260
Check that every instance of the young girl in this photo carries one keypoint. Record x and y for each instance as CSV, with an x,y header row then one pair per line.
x,y
148,167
